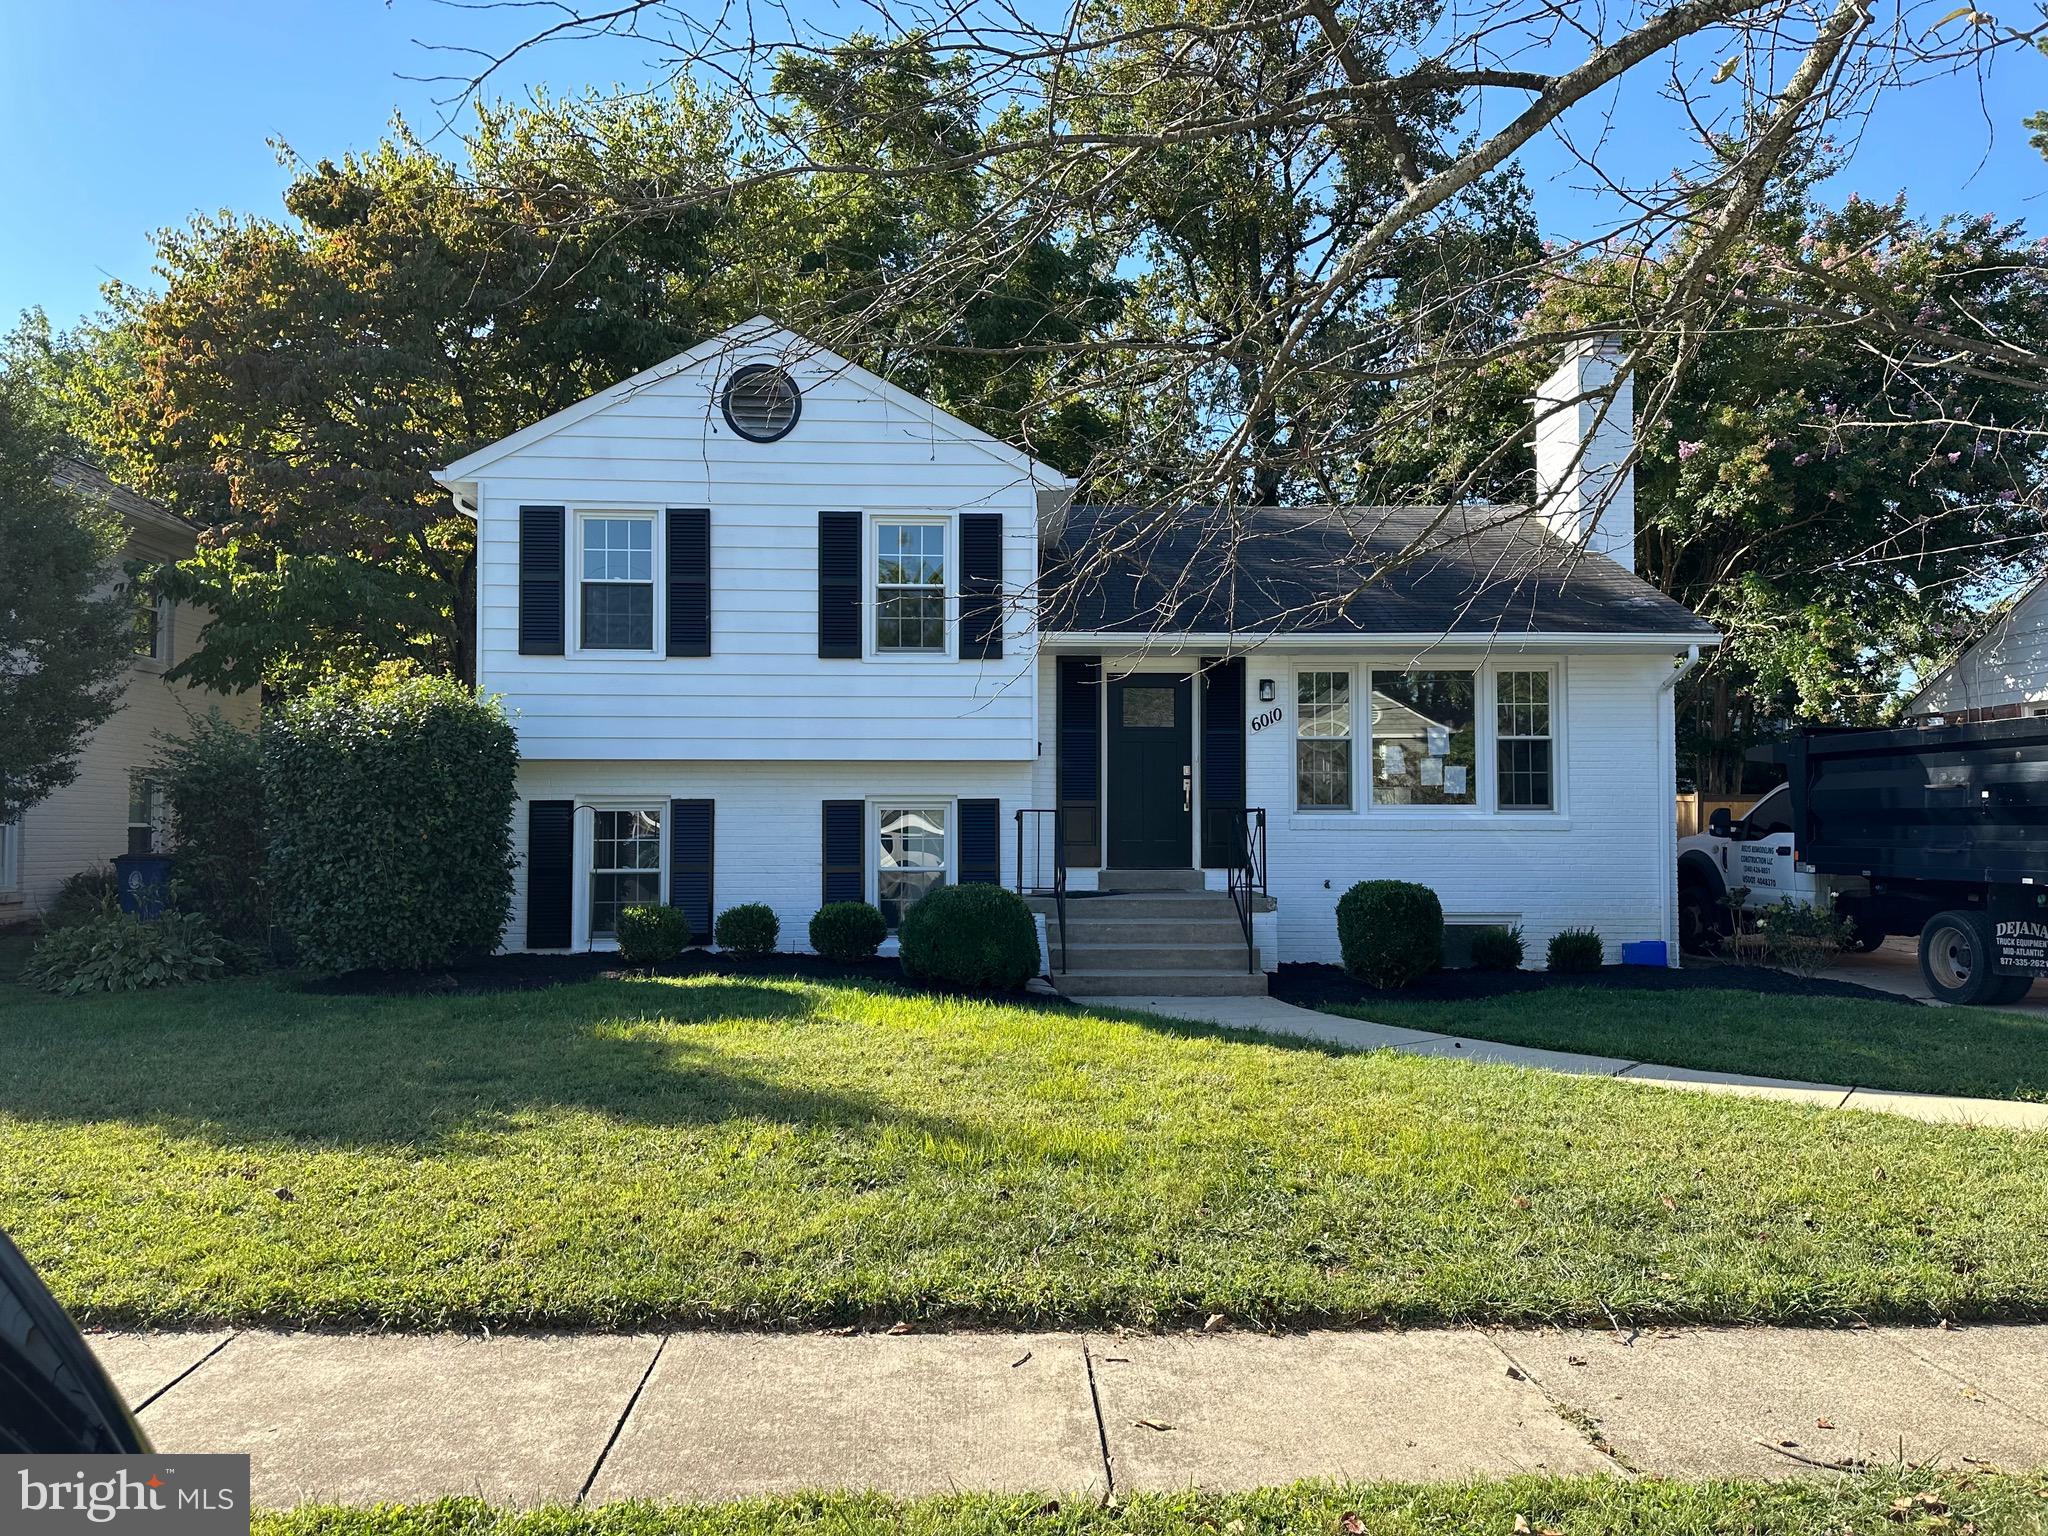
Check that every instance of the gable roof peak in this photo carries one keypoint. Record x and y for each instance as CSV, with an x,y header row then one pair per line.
x,y
759,331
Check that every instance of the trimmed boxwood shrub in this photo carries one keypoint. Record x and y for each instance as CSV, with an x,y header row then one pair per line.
x,y
1391,932
650,935
749,929
390,812
122,953
1576,951
1498,949
978,936
848,931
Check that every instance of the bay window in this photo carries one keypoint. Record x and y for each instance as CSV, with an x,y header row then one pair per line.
x,y
911,859
625,866
617,587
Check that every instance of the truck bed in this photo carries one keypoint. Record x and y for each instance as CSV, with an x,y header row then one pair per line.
x,y
1964,803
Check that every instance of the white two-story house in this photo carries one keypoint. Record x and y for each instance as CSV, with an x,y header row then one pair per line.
x,y
773,630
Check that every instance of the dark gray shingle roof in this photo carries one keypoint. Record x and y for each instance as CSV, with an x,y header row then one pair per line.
x,y
1340,570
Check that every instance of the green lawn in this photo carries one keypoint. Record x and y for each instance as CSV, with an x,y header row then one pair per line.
x,y
1989,1505
736,1151
1970,1051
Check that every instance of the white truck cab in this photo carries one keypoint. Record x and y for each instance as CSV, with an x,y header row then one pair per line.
x,y
1755,855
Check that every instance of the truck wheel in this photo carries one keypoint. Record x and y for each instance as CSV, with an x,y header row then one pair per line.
x,y
1702,921
1956,957
2010,990
1867,931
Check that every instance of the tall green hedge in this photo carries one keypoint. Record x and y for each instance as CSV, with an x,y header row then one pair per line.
x,y
389,806
212,778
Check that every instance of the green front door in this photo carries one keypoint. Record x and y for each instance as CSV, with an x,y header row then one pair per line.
x,y
1151,773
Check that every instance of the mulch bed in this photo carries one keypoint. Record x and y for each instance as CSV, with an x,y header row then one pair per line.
x,y
1310,986
531,973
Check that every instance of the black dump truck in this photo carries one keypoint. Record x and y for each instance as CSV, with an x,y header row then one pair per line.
x,y
1940,831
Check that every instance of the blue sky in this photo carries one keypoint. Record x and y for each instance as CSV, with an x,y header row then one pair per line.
x,y
127,115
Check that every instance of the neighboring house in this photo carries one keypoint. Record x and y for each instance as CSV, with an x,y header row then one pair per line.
x,y
111,807
2001,675
772,629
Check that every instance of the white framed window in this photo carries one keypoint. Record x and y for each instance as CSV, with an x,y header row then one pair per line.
x,y
912,853
10,857
1425,736
151,617
625,866
615,581
1322,741
145,814
909,586
1523,748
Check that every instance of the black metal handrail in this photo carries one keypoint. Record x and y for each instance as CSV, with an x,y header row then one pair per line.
x,y
1244,844
1042,819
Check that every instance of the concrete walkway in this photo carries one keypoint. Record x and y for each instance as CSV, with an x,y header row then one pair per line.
x,y
1269,1015
528,1419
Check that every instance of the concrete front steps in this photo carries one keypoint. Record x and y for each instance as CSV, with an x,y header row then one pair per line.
x,y
1152,933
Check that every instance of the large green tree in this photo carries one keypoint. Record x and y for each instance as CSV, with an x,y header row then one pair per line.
x,y
294,382
1835,480
66,627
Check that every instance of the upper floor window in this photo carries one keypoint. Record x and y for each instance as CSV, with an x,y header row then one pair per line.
x,y
1522,740
617,599
910,587
1322,746
152,619
10,856
1424,737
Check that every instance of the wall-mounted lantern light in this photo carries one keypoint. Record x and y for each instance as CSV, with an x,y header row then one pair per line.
x,y
1267,688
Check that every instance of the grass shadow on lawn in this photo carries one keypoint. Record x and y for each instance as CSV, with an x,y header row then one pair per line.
x,y
417,1074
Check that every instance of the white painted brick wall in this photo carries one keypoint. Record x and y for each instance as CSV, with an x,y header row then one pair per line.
x,y
768,823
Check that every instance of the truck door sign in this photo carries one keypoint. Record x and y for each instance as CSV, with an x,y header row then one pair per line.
x,y
2023,946
1765,865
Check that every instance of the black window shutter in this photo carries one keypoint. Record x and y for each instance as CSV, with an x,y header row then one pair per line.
x,y
839,586
981,586
1079,758
543,551
981,842
846,875
690,843
689,581
550,850
1222,761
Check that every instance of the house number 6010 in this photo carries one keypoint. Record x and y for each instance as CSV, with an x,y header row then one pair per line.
x,y
1265,718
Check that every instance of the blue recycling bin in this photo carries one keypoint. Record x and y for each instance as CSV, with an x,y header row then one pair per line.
x,y
1645,952
145,883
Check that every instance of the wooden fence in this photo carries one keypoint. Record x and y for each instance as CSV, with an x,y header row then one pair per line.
x,y
1695,810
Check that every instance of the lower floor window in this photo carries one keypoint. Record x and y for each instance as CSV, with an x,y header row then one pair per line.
x,y
625,867
10,855
912,858
144,809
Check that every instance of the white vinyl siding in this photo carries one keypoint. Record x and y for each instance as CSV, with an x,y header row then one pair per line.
x,y
764,694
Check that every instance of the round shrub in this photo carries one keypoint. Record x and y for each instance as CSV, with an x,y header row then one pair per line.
x,y
1391,932
122,953
1576,951
650,935
1498,949
848,931
976,936
389,805
749,929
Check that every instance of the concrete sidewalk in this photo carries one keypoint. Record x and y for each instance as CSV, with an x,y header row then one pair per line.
x,y
1269,1015
598,1417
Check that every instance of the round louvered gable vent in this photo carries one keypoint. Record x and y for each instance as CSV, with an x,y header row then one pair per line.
x,y
761,402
